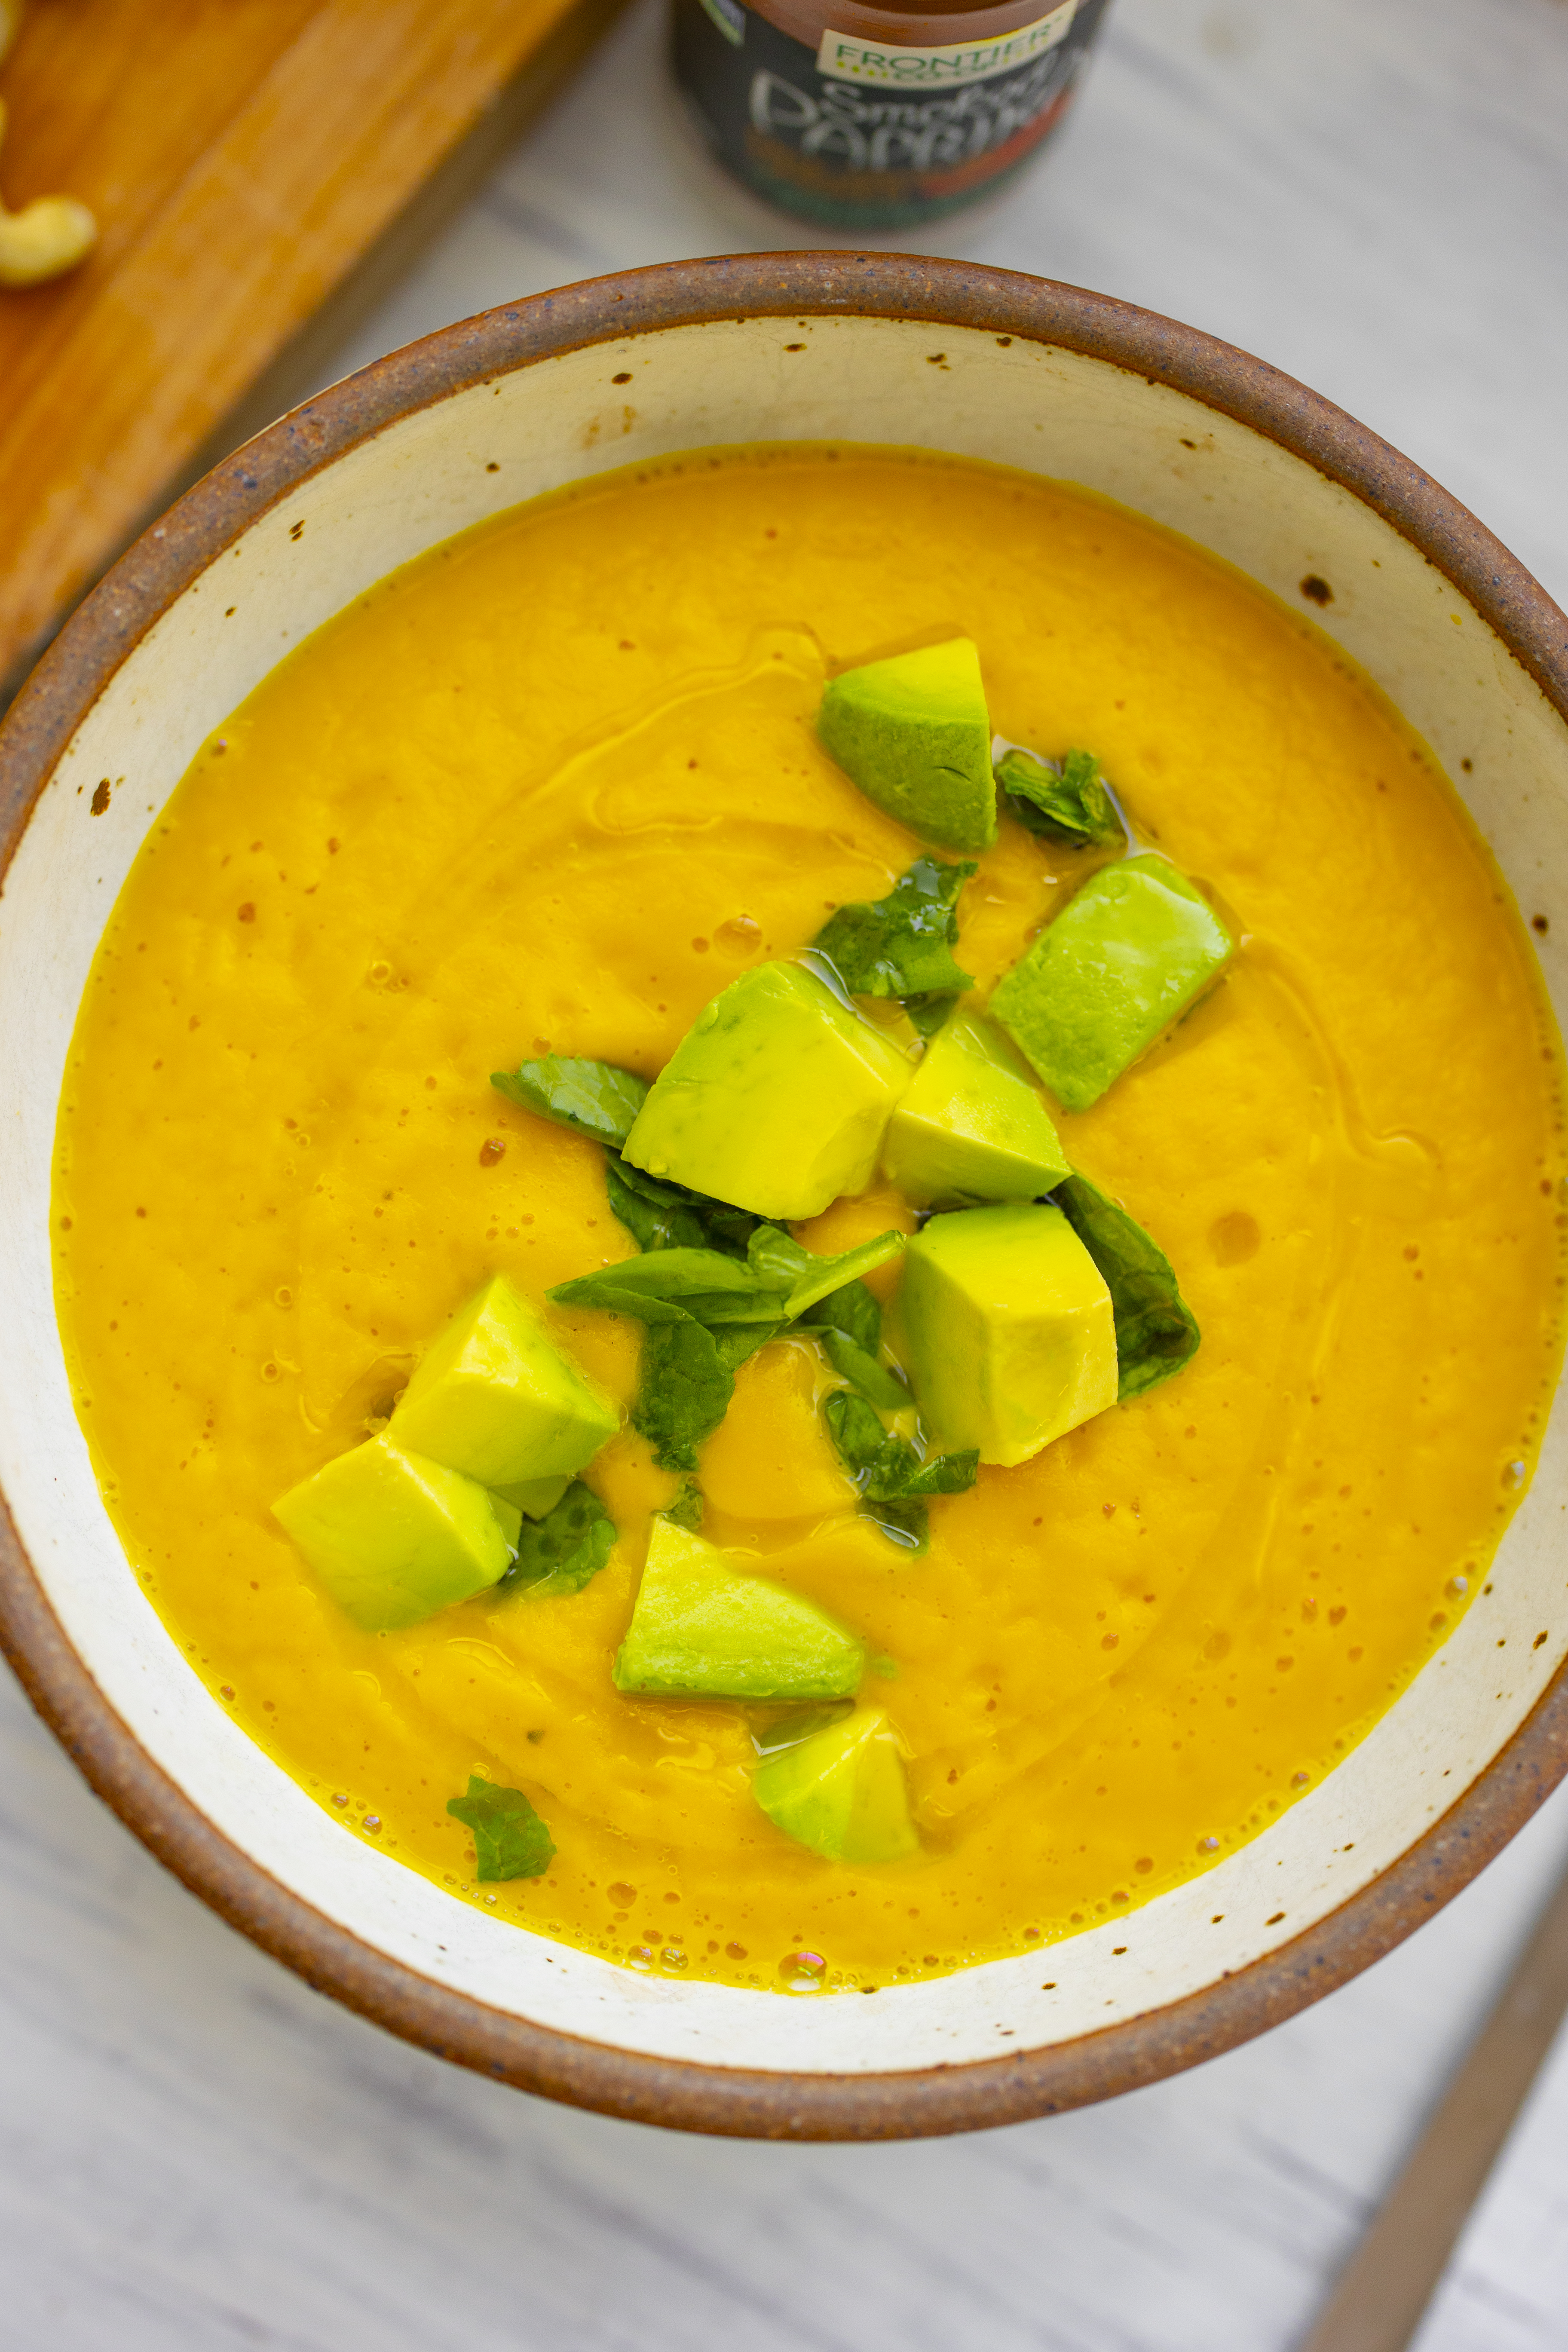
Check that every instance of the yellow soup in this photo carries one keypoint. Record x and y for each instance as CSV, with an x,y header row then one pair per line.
x,y
552,787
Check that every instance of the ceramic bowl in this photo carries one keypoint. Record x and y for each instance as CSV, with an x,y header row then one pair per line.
x,y
830,347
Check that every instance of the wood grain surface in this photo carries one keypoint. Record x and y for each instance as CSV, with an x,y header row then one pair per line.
x,y
244,158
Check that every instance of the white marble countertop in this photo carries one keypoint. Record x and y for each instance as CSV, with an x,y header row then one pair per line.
x,y
196,2152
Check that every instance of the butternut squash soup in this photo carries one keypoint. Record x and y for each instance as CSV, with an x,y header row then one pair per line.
x,y
810,1214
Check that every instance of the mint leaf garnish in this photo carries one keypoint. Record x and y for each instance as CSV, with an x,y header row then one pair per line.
x,y
561,1551
1065,801
853,1311
684,1392
667,1216
1157,1330
687,1507
593,1099
510,1839
901,945
866,1372
892,1479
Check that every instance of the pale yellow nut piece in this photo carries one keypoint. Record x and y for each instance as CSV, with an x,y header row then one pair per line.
x,y
47,236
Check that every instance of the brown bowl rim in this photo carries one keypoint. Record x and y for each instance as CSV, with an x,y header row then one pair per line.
x,y
75,671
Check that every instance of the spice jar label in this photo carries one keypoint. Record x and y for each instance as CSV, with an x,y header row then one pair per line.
x,y
844,56
864,134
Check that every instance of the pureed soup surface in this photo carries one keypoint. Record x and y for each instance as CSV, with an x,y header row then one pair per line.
x,y
551,788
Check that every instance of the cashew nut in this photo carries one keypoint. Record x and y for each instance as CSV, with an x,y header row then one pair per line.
x,y
50,235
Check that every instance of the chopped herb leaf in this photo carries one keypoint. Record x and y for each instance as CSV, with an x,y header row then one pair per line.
x,y
1065,801
821,1278
777,1257
787,1727
684,1392
905,1524
886,1469
852,1310
687,1508
1157,1330
736,1342
561,1551
855,1429
866,1372
510,1839
944,1473
707,1285
593,1099
658,1216
927,1012
901,945
667,1216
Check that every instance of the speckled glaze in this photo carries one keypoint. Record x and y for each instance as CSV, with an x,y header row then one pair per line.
x,y
987,364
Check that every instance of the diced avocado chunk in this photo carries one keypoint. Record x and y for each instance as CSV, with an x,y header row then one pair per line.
x,y
395,1536
971,1126
1009,1334
702,1629
914,733
535,1499
1126,956
496,1398
775,1100
841,1792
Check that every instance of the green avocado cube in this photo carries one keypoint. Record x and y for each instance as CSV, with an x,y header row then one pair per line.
x,y
774,1100
703,1629
1126,956
914,733
841,1792
534,1498
395,1536
971,1126
495,1397
1010,1340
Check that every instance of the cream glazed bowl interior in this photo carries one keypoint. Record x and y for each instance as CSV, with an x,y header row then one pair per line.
x,y
830,347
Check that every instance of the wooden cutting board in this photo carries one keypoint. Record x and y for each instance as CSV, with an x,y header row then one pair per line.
x,y
247,159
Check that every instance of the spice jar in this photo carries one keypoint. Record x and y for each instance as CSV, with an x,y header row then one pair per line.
x,y
876,118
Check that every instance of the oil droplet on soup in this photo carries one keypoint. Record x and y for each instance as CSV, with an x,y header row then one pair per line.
x,y
489,834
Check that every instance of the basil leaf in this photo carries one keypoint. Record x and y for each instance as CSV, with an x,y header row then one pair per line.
x,y
901,945
929,1012
865,1372
654,1221
593,1099
686,1511
1065,801
601,1290
510,1839
887,1468
777,1257
857,1431
667,1216
704,1283
735,1341
787,1727
907,1524
684,1391
852,1310
943,1474
559,1552
1157,1330
820,1277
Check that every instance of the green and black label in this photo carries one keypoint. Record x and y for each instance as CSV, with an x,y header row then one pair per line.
x,y
869,137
